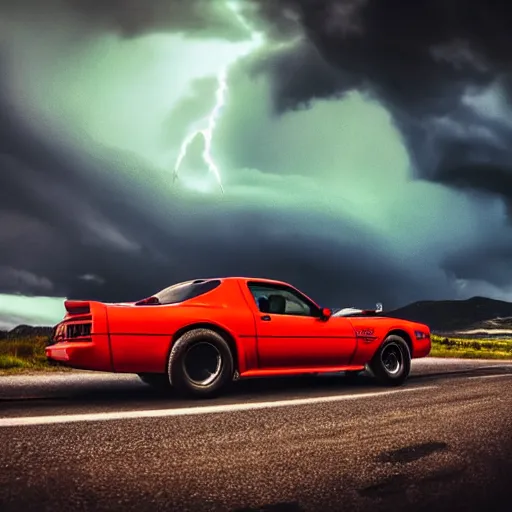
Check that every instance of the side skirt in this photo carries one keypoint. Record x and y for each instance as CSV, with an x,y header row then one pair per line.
x,y
269,372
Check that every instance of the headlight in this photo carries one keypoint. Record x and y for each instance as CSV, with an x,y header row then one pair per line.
x,y
420,335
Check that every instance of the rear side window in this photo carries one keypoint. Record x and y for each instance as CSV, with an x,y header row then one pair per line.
x,y
185,291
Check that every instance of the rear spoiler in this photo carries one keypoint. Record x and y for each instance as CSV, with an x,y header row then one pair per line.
x,y
77,307
360,312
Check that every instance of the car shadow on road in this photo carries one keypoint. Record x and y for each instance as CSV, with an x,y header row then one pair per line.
x,y
125,394
134,393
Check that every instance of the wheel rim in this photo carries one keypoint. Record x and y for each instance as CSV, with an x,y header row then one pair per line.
x,y
392,358
202,363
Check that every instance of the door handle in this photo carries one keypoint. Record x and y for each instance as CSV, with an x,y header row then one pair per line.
x,y
266,318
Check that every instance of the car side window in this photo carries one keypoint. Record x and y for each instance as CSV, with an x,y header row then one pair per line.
x,y
280,300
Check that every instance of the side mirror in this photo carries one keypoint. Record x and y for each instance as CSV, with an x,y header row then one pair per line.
x,y
326,313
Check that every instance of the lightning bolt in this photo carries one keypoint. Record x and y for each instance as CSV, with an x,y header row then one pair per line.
x,y
207,133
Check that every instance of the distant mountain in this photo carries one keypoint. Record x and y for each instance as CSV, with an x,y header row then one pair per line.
x,y
26,331
478,313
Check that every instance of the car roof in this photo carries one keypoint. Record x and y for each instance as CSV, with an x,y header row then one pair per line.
x,y
245,279
230,278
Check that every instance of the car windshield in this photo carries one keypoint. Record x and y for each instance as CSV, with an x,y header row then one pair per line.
x,y
187,290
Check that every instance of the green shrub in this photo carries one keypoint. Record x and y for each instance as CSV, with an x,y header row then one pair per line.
x,y
23,352
8,362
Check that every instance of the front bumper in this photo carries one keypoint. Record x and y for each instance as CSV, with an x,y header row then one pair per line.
x,y
422,347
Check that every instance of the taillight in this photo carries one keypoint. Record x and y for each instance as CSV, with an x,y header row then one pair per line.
x,y
78,330
75,331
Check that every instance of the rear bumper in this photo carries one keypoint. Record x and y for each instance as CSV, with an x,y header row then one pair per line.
x,y
83,355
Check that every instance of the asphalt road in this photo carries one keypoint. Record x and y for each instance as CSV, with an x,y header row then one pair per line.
x,y
83,441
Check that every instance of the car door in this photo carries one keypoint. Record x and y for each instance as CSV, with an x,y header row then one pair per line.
x,y
295,336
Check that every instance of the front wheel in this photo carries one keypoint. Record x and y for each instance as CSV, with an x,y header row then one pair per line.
x,y
201,363
391,364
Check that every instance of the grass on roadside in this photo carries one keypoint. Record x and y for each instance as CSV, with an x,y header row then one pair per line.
x,y
25,355
443,346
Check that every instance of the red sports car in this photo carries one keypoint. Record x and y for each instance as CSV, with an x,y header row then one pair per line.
x,y
200,335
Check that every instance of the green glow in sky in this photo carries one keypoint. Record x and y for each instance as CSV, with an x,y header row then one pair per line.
x,y
16,310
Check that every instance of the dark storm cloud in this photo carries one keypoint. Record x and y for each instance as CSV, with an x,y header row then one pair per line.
x,y
196,18
410,49
292,70
421,59
278,19
485,177
22,281
487,262
418,57
132,18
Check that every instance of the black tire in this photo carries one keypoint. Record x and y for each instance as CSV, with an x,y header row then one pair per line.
x,y
200,364
391,364
158,381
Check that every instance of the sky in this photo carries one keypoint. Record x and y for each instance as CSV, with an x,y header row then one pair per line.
x,y
362,151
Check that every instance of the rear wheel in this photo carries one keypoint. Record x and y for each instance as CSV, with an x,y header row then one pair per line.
x,y
201,363
391,364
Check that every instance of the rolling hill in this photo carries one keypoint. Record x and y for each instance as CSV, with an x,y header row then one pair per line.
x,y
477,313
26,331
